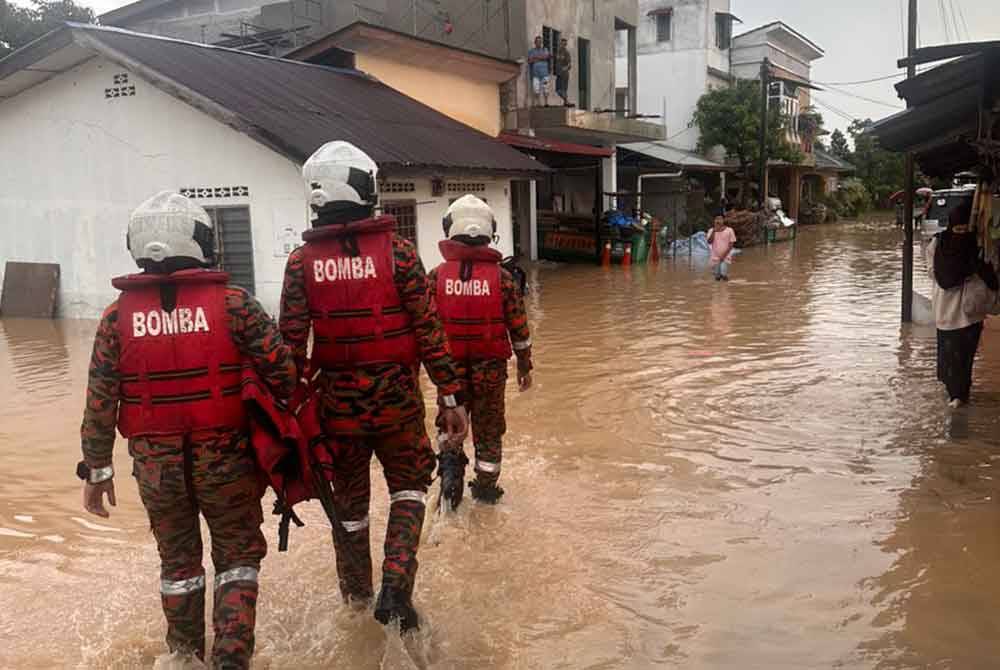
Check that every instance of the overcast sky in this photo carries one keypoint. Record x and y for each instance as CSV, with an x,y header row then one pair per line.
x,y
862,39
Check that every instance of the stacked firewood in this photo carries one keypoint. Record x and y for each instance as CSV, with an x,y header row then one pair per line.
x,y
748,226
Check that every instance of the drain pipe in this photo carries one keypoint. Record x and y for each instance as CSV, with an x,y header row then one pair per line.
x,y
659,175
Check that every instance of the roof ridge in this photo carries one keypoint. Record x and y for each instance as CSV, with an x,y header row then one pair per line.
x,y
93,27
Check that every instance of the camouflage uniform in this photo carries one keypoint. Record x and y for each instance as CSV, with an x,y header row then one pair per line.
x,y
484,382
377,409
211,472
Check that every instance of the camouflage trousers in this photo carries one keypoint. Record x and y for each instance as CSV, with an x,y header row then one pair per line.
x,y
484,384
214,476
407,461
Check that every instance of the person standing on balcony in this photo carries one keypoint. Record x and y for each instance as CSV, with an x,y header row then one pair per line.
x,y
564,63
538,64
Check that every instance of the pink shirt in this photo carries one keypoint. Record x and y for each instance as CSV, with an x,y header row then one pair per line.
x,y
722,243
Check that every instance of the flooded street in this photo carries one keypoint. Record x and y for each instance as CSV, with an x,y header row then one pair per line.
x,y
759,474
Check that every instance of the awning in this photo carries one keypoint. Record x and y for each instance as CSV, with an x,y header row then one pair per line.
x,y
779,73
662,11
668,154
731,17
539,144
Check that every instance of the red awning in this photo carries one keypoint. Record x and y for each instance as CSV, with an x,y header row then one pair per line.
x,y
538,144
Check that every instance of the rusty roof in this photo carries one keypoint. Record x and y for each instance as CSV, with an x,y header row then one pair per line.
x,y
290,106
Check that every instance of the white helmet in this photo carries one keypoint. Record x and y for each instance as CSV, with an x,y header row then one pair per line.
x,y
340,173
168,225
469,217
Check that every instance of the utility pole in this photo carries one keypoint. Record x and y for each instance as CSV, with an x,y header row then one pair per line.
x,y
909,183
765,83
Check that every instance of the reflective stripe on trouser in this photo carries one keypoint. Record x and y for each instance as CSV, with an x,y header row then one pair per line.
x,y
183,602
407,462
215,478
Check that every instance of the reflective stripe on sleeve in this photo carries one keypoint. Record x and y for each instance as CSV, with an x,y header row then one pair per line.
x,y
182,586
241,574
486,466
522,345
415,496
355,526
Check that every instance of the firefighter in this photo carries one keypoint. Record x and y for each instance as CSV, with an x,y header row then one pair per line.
x,y
363,293
166,371
482,308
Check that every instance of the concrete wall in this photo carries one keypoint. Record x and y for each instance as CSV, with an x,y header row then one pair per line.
x,y
431,210
93,160
593,20
673,75
474,103
486,26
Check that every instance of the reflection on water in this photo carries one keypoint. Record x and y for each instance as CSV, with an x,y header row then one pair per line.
x,y
753,474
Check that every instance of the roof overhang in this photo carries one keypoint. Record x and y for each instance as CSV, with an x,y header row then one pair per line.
x,y
117,17
662,11
787,35
552,146
781,74
364,38
731,17
948,107
567,124
664,153
49,55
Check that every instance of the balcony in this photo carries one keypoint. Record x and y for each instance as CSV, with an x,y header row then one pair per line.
x,y
567,124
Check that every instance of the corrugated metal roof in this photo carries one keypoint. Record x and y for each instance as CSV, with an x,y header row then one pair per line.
x,y
669,154
827,161
295,107
540,144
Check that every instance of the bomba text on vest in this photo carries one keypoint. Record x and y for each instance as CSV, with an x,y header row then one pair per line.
x,y
181,321
473,287
334,269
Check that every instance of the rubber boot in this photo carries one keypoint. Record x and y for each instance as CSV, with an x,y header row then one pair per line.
x,y
451,472
185,615
234,620
395,605
485,492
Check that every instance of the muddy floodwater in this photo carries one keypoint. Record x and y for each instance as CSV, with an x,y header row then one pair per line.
x,y
756,474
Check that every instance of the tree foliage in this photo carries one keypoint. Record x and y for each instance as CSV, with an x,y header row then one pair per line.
x,y
881,171
730,117
839,146
21,25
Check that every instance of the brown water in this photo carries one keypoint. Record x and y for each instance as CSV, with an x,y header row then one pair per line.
x,y
759,474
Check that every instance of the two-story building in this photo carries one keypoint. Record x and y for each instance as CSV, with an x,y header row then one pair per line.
x,y
683,52
789,55
124,115
578,142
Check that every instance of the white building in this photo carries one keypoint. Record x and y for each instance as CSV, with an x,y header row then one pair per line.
x,y
683,52
97,120
790,55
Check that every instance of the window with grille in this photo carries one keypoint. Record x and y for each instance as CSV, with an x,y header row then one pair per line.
x,y
466,187
234,244
663,27
405,212
397,187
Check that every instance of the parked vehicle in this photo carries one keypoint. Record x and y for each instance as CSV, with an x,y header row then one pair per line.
x,y
941,204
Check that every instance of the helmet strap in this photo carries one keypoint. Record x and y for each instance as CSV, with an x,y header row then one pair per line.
x,y
339,213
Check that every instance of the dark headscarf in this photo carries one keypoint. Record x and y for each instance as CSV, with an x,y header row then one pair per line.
x,y
956,257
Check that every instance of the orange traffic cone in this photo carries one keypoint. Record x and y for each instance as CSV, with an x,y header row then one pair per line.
x,y
606,255
627,258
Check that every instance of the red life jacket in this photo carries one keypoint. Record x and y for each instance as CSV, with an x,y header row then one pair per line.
x,y
471,303
357,315
180,371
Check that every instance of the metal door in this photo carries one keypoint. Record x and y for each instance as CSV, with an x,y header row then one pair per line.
x,y
234,241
